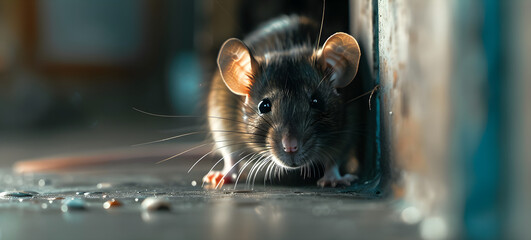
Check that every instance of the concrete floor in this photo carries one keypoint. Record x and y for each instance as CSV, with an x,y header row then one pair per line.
x,y
270,211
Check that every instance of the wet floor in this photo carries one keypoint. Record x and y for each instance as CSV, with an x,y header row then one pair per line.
x,y
138,199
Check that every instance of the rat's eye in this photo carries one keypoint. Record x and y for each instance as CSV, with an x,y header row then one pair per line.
x,y
264,106
317,103
314,103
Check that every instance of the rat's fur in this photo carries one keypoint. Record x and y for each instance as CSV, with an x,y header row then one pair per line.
x,y
291,77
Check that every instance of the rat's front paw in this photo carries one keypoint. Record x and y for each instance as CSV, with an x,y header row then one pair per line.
x,y
215,177
335,180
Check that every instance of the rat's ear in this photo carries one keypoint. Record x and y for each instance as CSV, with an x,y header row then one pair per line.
x,y
236,65
341,53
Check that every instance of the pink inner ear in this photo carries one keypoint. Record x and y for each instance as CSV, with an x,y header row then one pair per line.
x,y
243,71
236,66
334,61
341,53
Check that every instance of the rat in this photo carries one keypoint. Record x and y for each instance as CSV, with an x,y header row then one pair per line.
x,y
279,99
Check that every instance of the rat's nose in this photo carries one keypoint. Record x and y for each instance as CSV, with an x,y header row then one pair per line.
x,y
290,144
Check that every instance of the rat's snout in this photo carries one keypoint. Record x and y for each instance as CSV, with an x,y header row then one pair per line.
x,y
289,143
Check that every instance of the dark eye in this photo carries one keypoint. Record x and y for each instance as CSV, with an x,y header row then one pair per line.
x,y
264,106
315,103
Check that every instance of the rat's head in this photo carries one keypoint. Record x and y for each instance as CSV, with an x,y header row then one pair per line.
x,y
292,107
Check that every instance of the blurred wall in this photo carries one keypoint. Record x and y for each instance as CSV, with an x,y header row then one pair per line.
x,y
451,111
518,132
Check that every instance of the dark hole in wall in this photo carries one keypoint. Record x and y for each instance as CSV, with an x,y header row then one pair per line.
x,y
368,157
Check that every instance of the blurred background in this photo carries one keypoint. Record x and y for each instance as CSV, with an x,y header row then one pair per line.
x,y
453,124
84,63
78,68
70,68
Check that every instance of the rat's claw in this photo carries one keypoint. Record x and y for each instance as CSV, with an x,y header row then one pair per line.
x,y
334,181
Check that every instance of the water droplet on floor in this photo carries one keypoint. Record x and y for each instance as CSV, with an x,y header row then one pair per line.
x,y
73,204
411,215
44,182
112,204
16,194
55,198
103,185
155,204
92,193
